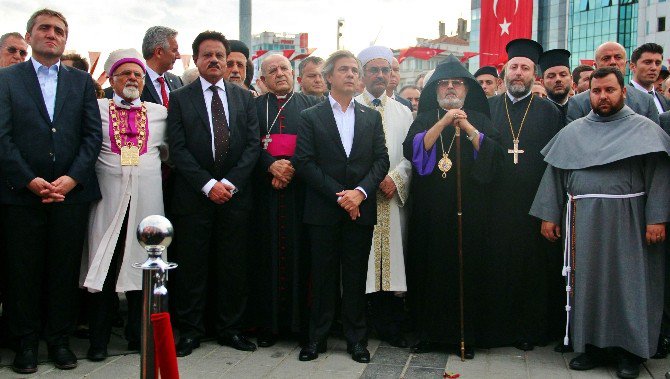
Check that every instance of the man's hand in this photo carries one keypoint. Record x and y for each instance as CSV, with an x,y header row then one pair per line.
x,y
278,184
388,187
45,190
655,233
282,169
354,214
551,231
451,116
350,199
220,193
64,184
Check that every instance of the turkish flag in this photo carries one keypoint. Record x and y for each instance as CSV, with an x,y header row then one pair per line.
x,y
424,53
467,55
501,22
259,53
588,62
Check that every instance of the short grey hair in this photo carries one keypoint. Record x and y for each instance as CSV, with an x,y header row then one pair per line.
x,y
311,59
6,36
329,66
264,63
154,37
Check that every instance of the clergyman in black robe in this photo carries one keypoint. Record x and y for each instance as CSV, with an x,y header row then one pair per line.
x,y
432,255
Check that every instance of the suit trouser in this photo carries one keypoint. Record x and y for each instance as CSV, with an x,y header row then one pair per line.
x,y
217,237
44,244
344,244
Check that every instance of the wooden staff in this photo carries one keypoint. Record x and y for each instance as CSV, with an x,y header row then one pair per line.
x,y
460,237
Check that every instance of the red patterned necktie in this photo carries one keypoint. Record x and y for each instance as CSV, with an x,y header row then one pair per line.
x,y
164,94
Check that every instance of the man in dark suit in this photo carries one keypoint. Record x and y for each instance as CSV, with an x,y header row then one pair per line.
x,y
393,85
50,138
341,155
612,54
160,50
214,145
645,64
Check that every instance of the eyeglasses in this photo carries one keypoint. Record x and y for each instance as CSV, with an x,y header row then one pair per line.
x,y
12,50
128,74
456,83
377,70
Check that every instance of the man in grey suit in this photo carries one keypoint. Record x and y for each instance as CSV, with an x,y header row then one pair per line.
x,y
613,54
645,63
160,50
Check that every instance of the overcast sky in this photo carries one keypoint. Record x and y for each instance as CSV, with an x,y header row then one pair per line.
x,y
107,25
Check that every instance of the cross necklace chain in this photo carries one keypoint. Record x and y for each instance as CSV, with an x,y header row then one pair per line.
x,y
515,138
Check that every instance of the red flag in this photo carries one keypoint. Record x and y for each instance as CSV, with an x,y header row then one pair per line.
x,y
501,22
259,53
424,53
304,55
102,78
467,55
588,62
288,53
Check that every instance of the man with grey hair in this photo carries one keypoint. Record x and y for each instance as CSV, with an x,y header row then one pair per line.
x,y
160,50
341,181
613,54
310,78
393,84
13,49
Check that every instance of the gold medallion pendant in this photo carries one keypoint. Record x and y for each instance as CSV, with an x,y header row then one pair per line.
x,y
130,155
444,165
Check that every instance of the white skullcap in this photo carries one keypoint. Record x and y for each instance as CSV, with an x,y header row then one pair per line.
x,y
374,52
118,57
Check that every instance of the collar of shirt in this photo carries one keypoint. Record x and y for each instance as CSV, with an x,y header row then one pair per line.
x,y
153,75
335,105
117,100
205,84
381,98
514,99
636,85
37,65
556,102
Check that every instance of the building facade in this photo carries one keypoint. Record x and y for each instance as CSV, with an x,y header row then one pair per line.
x,y
280,43
654,24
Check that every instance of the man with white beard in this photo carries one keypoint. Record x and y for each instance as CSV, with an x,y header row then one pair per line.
x,y
129,170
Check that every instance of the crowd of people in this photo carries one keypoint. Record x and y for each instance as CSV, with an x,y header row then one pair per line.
x,y
519,207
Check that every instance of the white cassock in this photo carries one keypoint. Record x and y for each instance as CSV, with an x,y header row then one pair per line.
x,y
138,187
386,265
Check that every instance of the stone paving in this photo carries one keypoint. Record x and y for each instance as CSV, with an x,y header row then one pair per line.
x,y
281,361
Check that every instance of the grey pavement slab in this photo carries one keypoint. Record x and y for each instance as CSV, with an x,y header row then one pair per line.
x,y
281,361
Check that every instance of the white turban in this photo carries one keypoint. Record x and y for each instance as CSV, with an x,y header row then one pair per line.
x,y
375,52
118,57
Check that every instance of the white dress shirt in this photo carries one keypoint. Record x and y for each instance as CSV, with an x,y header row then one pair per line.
x,y
651,92
48,79
345,121
207,92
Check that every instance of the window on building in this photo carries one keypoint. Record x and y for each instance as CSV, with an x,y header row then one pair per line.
x,y
584,5
661,24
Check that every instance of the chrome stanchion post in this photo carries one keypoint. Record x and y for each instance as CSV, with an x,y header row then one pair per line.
x,y
154,233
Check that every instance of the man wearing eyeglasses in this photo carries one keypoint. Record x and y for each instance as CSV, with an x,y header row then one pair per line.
x,y
13,49
50,139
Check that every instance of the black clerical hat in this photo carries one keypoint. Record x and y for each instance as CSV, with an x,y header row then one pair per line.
x,y
239,47
523,47
553,58
487,70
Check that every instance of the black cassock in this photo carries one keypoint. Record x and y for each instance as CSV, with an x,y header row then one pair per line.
x,y
280,263
522,291
432,252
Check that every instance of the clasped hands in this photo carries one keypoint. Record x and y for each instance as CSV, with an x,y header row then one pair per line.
x,y
53,192
459,119
282,172
221,192
350,200
655,233
388,187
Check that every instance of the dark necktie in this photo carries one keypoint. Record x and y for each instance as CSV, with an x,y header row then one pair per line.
x,y
164,94
376,102
221,132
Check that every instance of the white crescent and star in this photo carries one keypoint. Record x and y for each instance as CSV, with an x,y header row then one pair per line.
x,y
504,27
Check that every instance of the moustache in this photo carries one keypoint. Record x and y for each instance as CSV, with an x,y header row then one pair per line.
x,y
213,65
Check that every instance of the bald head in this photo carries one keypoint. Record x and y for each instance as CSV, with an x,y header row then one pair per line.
x,y
611,54
277,74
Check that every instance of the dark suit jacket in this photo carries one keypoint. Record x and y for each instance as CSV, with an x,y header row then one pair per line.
x,y
190,142
31,145
640,102
321,161
665,121
109,92
149,93
404,102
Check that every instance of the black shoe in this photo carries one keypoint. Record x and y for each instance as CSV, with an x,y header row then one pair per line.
x,y
25,361
524,345
96,354
133,345
311,351
663,348
469,352
628,368
561,348
62,357
266,339
359,353
186,345
422,347
397,341
585,361
238,342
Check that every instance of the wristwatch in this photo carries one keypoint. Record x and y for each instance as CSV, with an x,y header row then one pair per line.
x,y
475,134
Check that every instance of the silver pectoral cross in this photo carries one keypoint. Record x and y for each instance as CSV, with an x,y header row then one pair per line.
x,y
515,151
266,141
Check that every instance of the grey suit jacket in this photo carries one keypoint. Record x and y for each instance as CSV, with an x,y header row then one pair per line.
x,y
149,93
643,104
665,121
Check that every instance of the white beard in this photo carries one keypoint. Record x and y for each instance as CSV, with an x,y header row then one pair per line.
x,y
130,92
453,103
